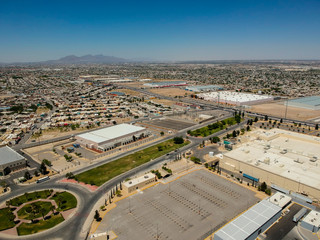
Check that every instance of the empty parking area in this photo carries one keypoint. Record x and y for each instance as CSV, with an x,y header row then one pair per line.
x,y
191,207
171,124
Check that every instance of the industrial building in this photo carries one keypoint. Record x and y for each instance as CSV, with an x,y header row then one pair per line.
x,y
280,158
311,221
251,223
112,137
165,84
10,161
312,103
235,98
205,88
139,182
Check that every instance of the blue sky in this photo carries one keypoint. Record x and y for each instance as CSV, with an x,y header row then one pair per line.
x,y
162,30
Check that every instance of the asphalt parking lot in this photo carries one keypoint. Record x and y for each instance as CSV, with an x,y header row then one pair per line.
x,y
191,207
171,124
284,226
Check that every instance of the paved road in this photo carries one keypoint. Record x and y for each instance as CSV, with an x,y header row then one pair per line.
x,y
72,230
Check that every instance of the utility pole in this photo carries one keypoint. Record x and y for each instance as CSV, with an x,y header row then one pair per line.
x,y
285,115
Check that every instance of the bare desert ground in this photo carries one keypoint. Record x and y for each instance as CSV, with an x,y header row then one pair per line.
x,y
170,91
278,109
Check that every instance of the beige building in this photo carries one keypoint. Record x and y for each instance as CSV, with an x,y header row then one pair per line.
x,y
139,182
287,159
10,161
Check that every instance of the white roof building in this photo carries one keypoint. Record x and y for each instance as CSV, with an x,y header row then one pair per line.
x,y
311,221
111,136
251,223
280,199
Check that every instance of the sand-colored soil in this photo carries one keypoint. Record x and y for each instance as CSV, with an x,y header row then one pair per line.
x,y
164,101
278,109
130,92
170,91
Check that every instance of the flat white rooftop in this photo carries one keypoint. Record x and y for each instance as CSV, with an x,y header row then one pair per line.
x,y
8,155
233,96
313,218
138,180
109,133
280,199
292,155
248,222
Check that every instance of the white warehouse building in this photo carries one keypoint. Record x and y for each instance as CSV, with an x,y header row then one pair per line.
x,y
235,98
112,137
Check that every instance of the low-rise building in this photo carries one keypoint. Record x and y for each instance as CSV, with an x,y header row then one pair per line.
x,y
111,137
311,221
139,182
10,161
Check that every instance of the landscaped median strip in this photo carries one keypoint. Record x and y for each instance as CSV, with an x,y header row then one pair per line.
x,y
100,175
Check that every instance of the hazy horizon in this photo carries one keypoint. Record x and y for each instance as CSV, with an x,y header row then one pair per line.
x,y
162,31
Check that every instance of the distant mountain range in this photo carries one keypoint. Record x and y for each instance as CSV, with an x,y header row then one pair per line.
x,y
101,59
72,59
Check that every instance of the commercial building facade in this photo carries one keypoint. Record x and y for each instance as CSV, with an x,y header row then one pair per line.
x,y
139,182
10,161
111,137
278,157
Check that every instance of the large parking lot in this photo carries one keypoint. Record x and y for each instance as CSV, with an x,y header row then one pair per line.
x,y
191,207
171,124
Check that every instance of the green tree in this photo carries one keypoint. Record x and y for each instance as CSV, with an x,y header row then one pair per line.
x,y
47,162
215,139
317,126
178,140
263,187
27,175
237,118
256,119
4,184
266,117
97,216
268,191
161,133
43,168
234,133
43,212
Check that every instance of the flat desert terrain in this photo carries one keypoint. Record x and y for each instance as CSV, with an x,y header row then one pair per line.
x,y
278,109
170,91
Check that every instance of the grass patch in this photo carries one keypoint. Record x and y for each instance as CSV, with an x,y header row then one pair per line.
x,y
99,175
6,219
65,201
213,128
27,197
25,212
30,228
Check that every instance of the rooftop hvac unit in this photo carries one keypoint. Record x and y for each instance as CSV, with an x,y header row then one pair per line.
x,y
298,161
313,159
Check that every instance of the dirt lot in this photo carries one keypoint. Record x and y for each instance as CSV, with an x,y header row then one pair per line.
x,y
170,91
278,109
131,92
164,101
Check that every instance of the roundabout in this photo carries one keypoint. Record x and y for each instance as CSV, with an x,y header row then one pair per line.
x,y
37,211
